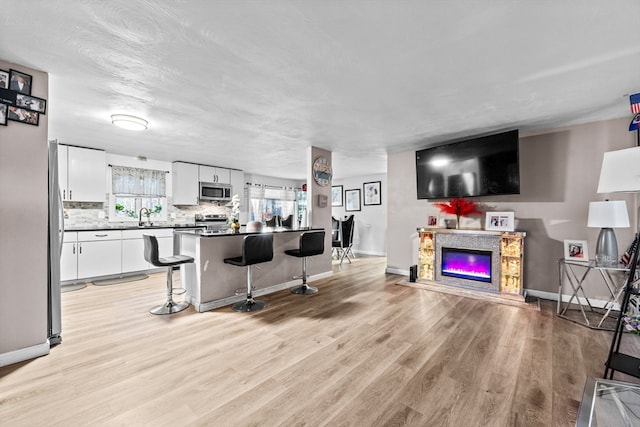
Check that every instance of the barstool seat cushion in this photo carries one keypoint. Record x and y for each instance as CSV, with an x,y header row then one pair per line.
x,y
172,260
256,248
311,243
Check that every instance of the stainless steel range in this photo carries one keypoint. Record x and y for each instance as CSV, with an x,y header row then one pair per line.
x,y
213,222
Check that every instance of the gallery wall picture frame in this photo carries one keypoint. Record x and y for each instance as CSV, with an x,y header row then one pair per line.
x,y
4,79
500,221
31,103
3,114
23,116
336,195
576,250
371,191
352,200
16,78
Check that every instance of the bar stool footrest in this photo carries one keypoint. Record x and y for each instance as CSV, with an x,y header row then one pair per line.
x,y
169,307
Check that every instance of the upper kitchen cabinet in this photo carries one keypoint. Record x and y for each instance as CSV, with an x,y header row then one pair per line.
x,y
185,183
82,174
212,174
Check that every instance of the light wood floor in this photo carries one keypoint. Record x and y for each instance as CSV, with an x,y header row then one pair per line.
x,y
362,352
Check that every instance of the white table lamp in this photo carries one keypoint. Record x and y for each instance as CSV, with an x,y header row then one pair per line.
x,y
607,215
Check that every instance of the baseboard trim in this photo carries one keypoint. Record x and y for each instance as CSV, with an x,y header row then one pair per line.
x,y
25,354
596,303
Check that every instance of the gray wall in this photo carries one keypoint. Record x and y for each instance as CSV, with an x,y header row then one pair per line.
x,y
370,235
23,231
559,169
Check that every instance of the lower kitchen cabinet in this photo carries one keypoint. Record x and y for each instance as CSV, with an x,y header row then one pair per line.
x,y
133,248
69,257
99,253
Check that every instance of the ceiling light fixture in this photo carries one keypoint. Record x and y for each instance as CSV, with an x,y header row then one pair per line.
x,y
125,121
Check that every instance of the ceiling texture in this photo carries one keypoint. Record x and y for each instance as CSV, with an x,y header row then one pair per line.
x,y
252,84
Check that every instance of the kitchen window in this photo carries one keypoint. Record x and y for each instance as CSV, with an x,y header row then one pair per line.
x,y
265,202
134,189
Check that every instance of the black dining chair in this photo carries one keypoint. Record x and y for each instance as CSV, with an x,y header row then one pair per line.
x,y
342,240
287,222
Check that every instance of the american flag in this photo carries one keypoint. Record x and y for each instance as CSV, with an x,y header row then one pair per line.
x,y
635,103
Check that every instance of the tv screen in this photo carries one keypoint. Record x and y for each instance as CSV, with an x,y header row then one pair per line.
x,y
481,166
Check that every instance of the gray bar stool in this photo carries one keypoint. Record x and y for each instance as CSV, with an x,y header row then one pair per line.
x,y
256,249
151,254
311,243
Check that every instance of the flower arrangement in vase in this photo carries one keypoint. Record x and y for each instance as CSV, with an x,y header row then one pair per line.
x,y
234,218
459,207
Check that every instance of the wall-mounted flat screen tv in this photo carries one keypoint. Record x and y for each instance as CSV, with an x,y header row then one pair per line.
x,y
482,166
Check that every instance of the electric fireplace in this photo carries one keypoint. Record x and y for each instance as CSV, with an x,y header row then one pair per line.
x,y
469,264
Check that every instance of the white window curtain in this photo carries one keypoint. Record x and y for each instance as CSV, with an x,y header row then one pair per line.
x,y
256,202
138,182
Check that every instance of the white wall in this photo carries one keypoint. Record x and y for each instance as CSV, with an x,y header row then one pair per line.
x,y
370,235
23,231
559,171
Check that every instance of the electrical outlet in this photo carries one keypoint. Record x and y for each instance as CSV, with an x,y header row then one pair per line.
x,y
173,215
101,214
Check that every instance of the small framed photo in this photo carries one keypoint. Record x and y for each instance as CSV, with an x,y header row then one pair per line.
x,y
3,114
432,221
352,200
20,82
4,79
372,194
23,116
576,250
499,221
31,103
336,195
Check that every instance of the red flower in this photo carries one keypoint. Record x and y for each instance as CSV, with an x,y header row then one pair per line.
x,y
459,207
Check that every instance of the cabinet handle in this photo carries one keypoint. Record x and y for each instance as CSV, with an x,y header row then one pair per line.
x,y
70,196
80,248
64,194
101,235
74,249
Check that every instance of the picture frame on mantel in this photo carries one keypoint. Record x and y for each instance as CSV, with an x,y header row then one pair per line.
x,y
336,195
500,221
352,200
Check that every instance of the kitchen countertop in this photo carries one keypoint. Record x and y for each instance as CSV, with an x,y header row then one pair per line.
x,y
203,233
132,227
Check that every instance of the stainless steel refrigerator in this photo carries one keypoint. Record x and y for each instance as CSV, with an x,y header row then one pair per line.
x,y
56,234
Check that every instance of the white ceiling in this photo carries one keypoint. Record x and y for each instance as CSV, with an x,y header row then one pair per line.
x,y
252,84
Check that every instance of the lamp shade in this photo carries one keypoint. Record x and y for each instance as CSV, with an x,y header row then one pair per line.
x,y
619,172
608,214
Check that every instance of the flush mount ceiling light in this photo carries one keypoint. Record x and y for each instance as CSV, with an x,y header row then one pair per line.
x,y
126,121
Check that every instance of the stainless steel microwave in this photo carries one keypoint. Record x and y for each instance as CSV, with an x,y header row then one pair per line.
x,y
215,191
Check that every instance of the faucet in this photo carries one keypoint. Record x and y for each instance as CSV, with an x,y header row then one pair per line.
x,y
147,212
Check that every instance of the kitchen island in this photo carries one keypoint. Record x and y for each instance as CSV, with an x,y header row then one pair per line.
x,y
210,283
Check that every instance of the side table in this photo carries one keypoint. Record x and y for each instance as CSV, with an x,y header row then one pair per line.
x,y
609,403
573,274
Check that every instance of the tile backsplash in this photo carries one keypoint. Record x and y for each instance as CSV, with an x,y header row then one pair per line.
x,y
83,214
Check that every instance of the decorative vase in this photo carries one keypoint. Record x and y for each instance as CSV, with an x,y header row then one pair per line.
x,y
235,227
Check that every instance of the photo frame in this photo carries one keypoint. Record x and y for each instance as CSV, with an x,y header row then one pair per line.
x,y
23,116
20,82
336,195
371,191
352,200
4,79
4,109
31,103
432,221
576,250
500,221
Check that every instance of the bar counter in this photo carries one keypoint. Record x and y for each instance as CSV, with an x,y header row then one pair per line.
x,y
210,283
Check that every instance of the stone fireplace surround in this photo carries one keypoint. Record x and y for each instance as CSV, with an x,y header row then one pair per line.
x,y
481,241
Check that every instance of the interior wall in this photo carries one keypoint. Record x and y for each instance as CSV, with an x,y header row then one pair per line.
x,y
24,207
370,234
559,171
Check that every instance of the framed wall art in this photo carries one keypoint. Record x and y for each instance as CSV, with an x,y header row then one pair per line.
x,y
372,194
20,82
3,114
352,200
4,79
31,103
23,116
500,221
576,250
336,195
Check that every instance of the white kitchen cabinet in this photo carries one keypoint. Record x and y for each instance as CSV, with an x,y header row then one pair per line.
x,y
82,174
213,174
185,183
99,253
69,257
133,248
